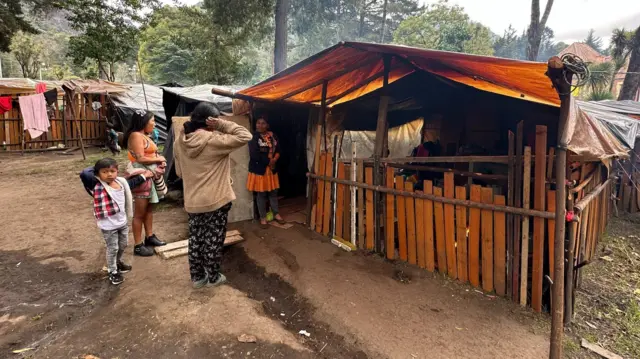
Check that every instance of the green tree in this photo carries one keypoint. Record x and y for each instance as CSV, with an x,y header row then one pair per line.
x,y
27,50
594,42
108,31
445,27
626,45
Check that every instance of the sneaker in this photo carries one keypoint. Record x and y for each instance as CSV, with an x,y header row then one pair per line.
x,y
116,278
218,282
123,268
153,241
142,250
201,283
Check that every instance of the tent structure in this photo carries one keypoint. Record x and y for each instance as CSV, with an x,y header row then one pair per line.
x,y
140,97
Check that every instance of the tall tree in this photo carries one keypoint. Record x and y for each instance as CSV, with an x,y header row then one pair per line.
x,y
594,41
384,20
536,28
108,31
12,18
27,50
626,45
445,27
281,37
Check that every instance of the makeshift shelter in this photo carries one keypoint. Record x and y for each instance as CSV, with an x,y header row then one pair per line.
x,y
61,131
494,125
140,97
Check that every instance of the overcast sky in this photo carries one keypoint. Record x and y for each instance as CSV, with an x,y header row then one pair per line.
x,y
570,19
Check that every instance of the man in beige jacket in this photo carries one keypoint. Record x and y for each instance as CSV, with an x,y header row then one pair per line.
x,y
202,152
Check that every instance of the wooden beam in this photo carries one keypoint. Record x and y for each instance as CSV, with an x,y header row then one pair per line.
x,y
538,223
524,253
517,223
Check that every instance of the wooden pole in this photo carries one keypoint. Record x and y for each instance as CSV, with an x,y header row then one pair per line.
x,y
311,209
568,278
75,120
378,153
353,195
561,79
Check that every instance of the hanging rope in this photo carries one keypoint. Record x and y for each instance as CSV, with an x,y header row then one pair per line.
x,y
574,64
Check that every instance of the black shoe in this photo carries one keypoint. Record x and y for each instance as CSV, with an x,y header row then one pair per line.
x,y
123,268
142,250
116,278
153,241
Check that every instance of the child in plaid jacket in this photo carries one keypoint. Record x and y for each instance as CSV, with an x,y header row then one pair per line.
x,y
112,207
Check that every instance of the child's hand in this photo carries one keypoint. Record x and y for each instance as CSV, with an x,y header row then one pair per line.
x,y
212,122
148,174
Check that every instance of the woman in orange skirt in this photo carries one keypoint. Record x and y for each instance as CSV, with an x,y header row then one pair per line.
x,y
264,152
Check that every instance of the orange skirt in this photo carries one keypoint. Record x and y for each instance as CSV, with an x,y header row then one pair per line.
x,y
265,183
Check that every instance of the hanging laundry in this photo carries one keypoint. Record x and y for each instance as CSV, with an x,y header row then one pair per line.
x,y
41,87
34,114
51,96
5,104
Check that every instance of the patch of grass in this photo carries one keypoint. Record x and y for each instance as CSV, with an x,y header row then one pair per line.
x,y
571,347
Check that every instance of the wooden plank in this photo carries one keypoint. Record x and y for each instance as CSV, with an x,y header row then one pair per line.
x,y
509,217
474,237
370,213
450,227
326,215
402,220
184,243
550,158
428,228
538,223
411,225
461,236
499,249
626,197
599,350
320,194
340,202
551,227
487,241
183,250
390,216
441,246
361,230
420,235
346,221
316,169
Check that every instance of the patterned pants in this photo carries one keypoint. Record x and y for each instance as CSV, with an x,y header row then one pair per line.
x,y
206,238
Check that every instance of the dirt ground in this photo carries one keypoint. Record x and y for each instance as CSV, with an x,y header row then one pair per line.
x,y
55,299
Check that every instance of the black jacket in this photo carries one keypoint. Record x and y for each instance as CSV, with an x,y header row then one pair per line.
x,y
259,155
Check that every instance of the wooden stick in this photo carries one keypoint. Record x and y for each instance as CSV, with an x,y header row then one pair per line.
x,y
450,227
509,218
390,217
441,247
411,225
526,198
402,220
440,199
361,230
451,170
517,221
474,237
582,204
538,223
499,249
428,227
461,236
352,189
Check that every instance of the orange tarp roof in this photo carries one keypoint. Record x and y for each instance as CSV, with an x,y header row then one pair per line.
x,y
355,69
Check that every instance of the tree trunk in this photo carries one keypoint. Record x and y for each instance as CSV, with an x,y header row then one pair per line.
x,y
280,46
536,28
632,78
384,21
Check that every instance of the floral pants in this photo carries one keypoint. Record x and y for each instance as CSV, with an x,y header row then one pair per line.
x,y
207,232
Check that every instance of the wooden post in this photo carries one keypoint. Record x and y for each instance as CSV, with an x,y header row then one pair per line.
x,y
517,224
311,208
561,79
378,153
568,277
352,190
524,252
510,200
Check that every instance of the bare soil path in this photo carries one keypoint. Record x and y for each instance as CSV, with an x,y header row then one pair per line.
x,y
55,299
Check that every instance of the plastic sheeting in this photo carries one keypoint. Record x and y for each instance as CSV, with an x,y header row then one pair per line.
x,y
14,86
355,69
94,86
626,107
134,99
624,128
202,93
402,140
588,135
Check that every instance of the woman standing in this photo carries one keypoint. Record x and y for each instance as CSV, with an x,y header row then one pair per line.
x,y
264,152
202,151
143,155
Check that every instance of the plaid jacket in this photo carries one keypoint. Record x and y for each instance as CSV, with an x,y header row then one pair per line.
x,y
103,205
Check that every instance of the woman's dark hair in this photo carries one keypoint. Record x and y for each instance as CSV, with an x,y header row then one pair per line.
x,y
199,117
104,163
139,121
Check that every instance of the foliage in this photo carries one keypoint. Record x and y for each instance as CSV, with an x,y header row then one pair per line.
x,y
109,30
594,42
444,27
27,50
513,46
626,45
12,21
600,76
